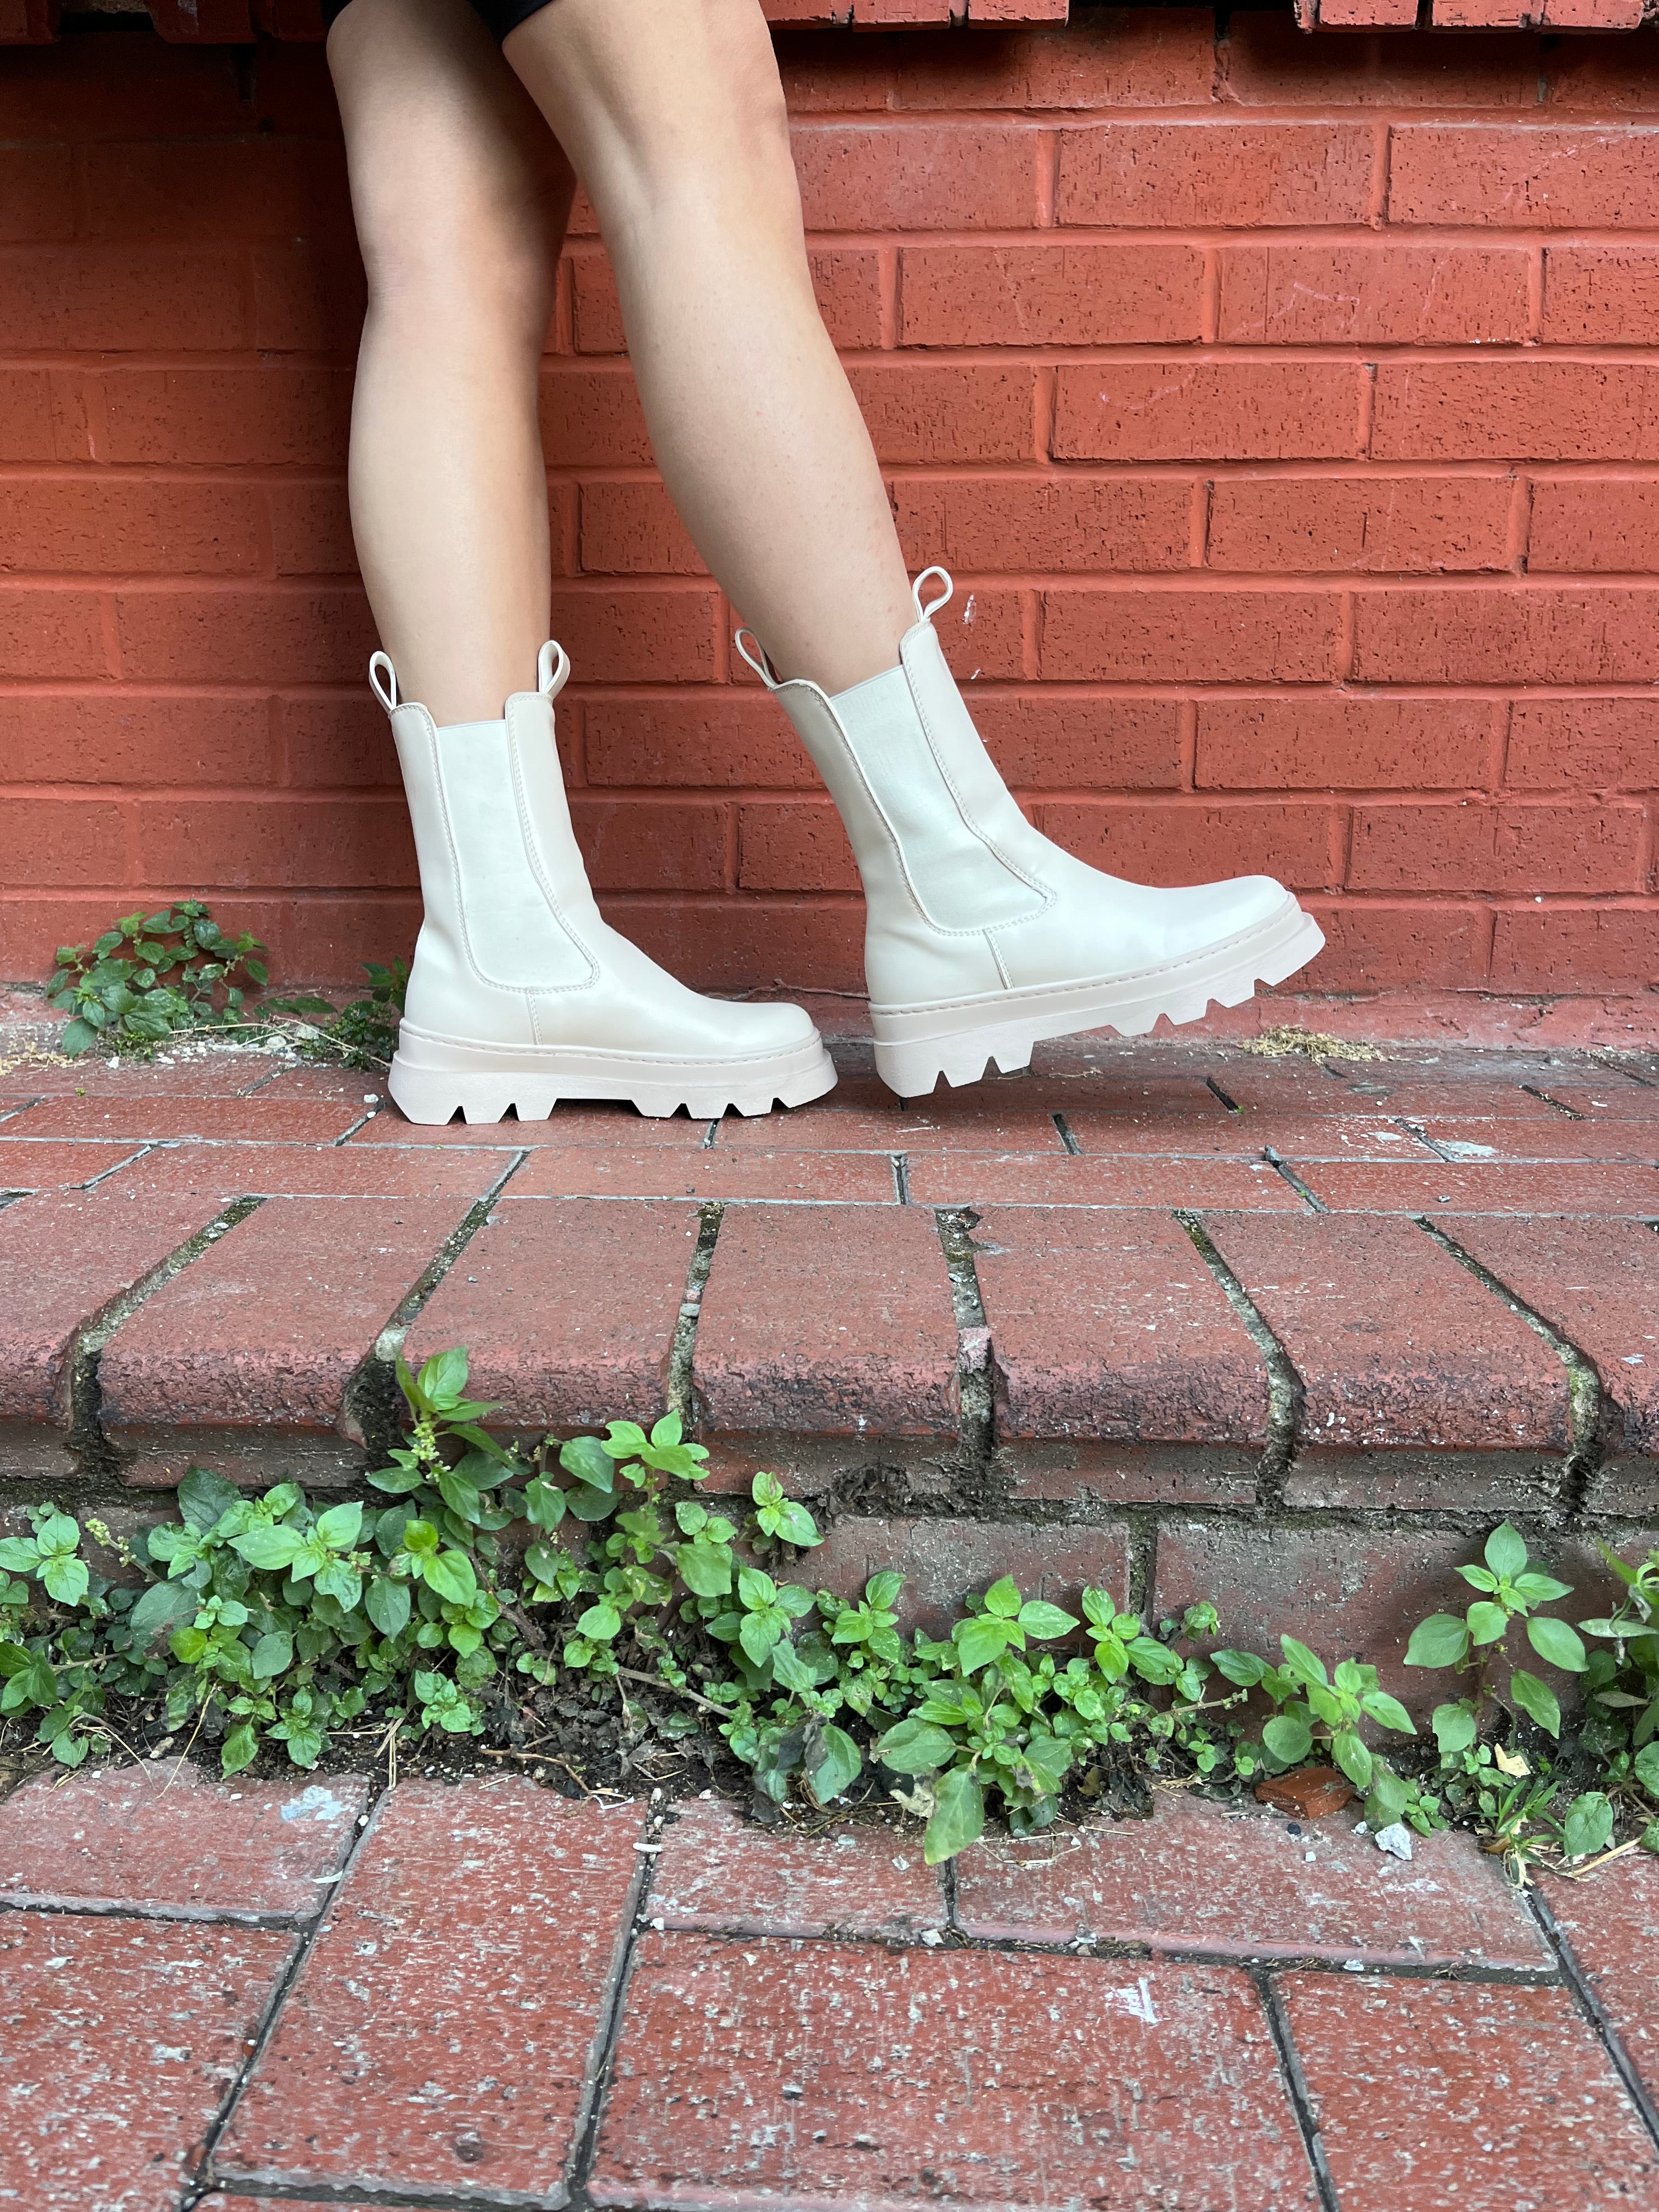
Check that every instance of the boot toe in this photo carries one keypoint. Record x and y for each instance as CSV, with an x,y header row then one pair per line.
x,y
769,1027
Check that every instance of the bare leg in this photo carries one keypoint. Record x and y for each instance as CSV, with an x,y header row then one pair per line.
x,y
461,199
673,114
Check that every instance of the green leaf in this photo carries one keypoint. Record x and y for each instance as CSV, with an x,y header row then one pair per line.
x,y
269,1545
838,1765
341,1526
982,1639
755,1589
459,1495
1045,1622
161,1606
1440,1641
204,1496
881,1592
544,1503
1487,1623
1288,1737
789,1670
705,1568
584,1504
1535,1698
20,1555
759,1631
958,1817
600,1622
240,1749
915,1748
1506,1552
586,1458
66,1580
1002,1599
1455,1730
450,1574
387,1605
1387,1712
1153,1660
76,1037
1541,1590
1305,1665
1353,1757
796,1525
1557,1644
272,1654
1588,1827
1646,1768
443,1378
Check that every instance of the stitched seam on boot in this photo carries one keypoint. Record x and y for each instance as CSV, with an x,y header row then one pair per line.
x,y
434,752
968,930
533,855
1025,991
850,753
1046,893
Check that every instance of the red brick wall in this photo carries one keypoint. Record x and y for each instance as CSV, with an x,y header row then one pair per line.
x,y
1286,406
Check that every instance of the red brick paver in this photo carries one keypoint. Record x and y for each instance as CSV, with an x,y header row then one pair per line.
x,y
567,1309
442,2034
64,1258
1491,1188
122,2039
1597,1283
826,2074
981,1179
1242,1883
38,1166
292,1300
144,1116
828,1322
388,1171
1612,1929
720,1872
1468,2098
1114,1327
163,1838
1403,1356
850,1178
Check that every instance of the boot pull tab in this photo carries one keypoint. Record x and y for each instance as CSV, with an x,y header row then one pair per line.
x,y
552,668
926,613
383,680
762,667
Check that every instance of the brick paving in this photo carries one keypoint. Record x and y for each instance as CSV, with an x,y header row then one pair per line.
x,y
483,1994
1267,1332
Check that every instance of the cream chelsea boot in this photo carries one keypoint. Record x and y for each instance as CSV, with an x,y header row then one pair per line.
x,y
982,936
520,993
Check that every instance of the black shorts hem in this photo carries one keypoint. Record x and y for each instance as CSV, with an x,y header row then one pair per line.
x,y
502,15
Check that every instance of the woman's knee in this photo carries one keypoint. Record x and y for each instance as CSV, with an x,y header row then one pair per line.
x,y
431,252
459,194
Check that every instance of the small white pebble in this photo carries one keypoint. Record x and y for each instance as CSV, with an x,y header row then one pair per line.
x,y
1354,1965
660,1923
371,1098
931,1935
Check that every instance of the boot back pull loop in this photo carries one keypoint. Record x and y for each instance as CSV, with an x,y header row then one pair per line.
x,y
762,667
926,613
383,680
552,668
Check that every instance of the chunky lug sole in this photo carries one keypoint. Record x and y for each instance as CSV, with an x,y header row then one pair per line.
x,y
955,1037
434,1079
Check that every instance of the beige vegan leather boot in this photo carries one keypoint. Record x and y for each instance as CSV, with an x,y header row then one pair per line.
x,y
520,993
982,936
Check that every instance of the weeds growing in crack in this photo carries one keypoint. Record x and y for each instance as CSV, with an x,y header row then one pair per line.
x,y
487,1588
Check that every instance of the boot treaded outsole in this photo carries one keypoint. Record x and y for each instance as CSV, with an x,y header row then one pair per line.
x,y
431,1094
1225,974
